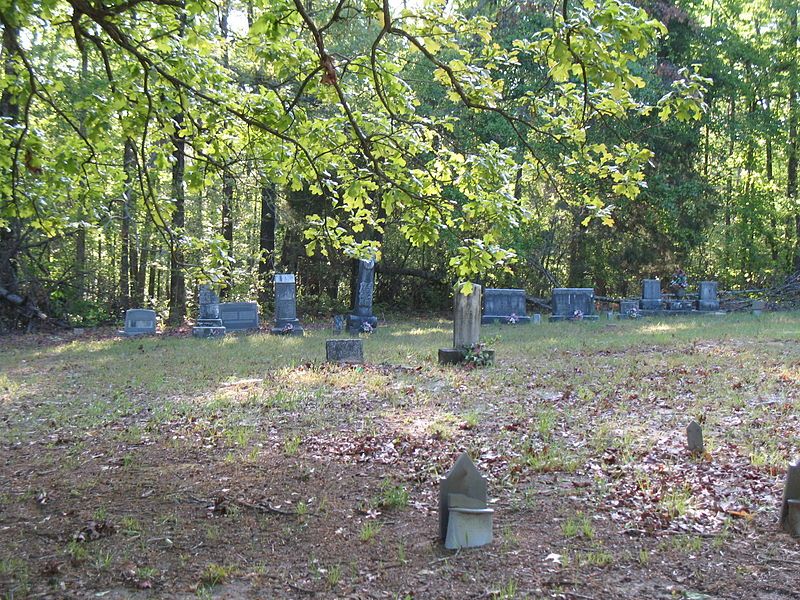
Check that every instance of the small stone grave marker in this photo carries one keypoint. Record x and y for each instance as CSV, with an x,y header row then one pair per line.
x,y
757,307
344,351
339,322
537,318
209,324
694,438
139,321
465,520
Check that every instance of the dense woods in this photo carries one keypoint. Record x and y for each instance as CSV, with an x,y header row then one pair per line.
x,y
148,146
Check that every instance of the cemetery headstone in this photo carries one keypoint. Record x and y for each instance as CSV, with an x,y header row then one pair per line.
x,y
708,296
790,509
339,322
466,325
504,306
629,309
209,324
139,321
362,319
537,318
239,316
694,438
286,321
465,520
757,307
573,303
651,295
344,351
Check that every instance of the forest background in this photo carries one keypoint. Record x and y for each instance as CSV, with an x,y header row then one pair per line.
x,y
148,146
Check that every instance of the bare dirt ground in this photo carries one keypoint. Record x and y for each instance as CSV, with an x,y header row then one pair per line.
x,y
247,468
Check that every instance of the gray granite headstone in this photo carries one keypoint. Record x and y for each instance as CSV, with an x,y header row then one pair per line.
x,y
339,322
286,321
344,351
757,307
239,316
140,321
464,490
651,295
504,306
694,438
566,301
537,318
708,296
362,318
209,324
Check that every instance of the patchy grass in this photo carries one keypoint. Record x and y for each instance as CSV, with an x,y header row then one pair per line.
x,y
247,466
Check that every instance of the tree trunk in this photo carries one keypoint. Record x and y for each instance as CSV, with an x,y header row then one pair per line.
x,y
129,164
177,280
227,229
791,155
266,242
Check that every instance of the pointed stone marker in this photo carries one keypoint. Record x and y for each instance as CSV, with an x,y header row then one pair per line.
x,y
694,438
790,511
464,519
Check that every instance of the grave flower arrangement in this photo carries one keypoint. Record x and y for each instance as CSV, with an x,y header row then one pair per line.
x,y
513,319
478,355
577,315
366,328
287,329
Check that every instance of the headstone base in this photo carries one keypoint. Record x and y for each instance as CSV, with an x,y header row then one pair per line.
x,y
651,304
451,356
680,305
554,318
205,331
280,327
355,323
707,306
344,351
488,319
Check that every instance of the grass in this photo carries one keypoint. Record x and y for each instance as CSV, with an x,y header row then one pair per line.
x,y
570,418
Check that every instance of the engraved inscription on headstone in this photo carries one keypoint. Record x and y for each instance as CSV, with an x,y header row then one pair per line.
x,y
140,321
362,320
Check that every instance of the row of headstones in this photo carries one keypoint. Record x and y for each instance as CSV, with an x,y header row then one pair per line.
x,y
215,318
653,300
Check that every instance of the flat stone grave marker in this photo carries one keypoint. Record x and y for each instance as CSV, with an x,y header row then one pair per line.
x,y
465,521
502,305
286,321
694,438
239,316
139,321
567,301
344,351
708,296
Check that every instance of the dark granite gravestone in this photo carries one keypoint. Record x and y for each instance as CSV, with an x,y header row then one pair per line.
x,y
209,323
362,319
286,321
465,521
139,321
344,351
239,316
339,322
694,438
708,296
569,301
504,306
651,295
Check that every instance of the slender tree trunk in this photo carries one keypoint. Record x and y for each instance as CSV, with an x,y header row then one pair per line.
x,y
791,166
266,241
129,164
227,228
768,169
177,279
